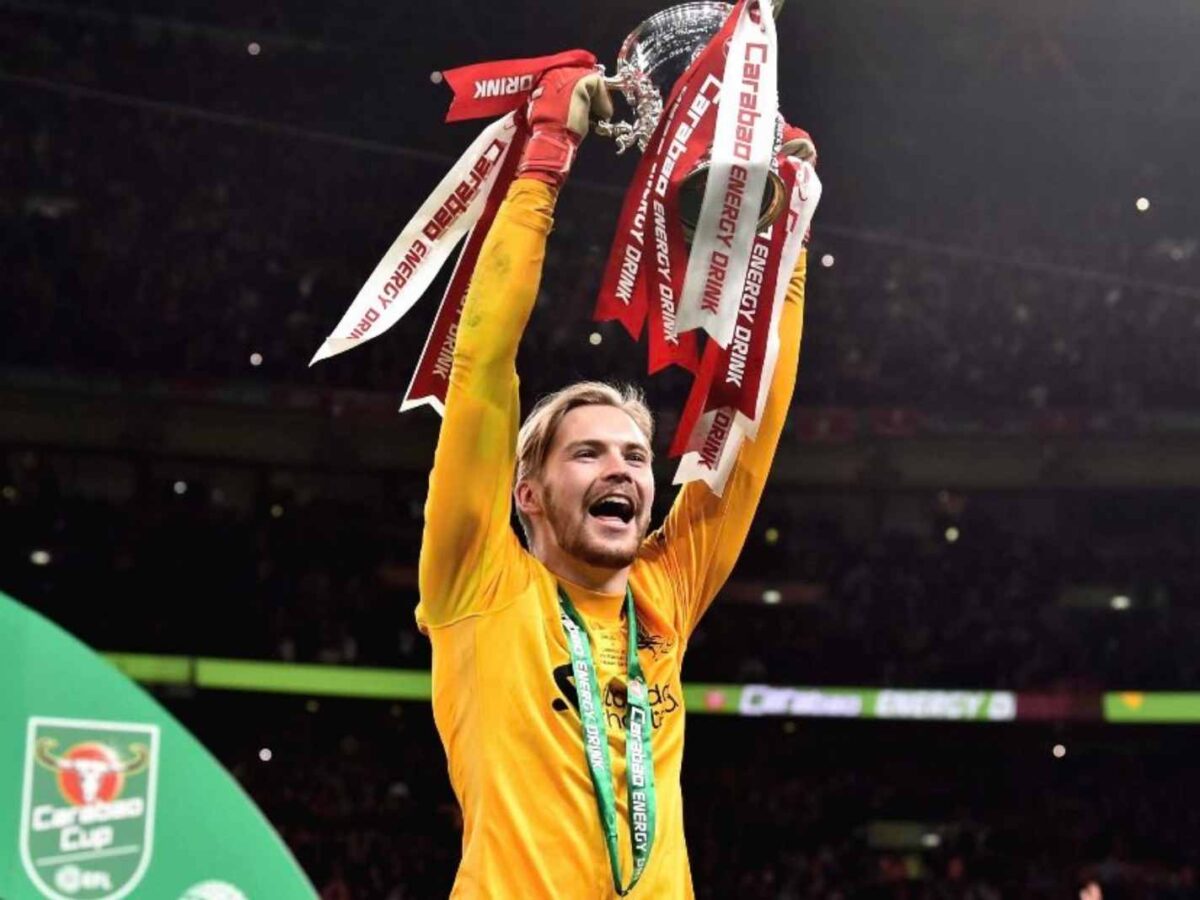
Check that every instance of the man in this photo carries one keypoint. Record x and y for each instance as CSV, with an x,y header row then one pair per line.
x,y
531,659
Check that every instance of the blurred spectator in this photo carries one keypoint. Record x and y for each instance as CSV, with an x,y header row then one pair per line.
x,y
1089,590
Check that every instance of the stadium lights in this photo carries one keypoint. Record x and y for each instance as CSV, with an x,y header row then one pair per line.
x,y
771,536
256,359
771,596
265,754
1059,751
931,839
595,338
254,48
435,77
180,488
827,260
10,492
1142,204
276,511
40,557
1120,602
952,534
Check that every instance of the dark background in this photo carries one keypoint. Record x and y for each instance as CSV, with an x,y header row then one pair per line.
x,y
995,430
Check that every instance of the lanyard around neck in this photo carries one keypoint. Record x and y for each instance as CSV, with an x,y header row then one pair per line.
x,y
639,758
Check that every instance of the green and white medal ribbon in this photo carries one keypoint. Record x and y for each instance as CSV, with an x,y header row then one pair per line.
x,y
639,758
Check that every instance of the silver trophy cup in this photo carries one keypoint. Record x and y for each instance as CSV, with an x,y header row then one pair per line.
x,y
653,57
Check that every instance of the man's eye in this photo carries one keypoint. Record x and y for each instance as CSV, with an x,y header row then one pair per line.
x,y
586,453
636,456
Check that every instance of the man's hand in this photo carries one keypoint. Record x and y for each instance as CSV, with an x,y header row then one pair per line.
x,y
589,97
559,111
798,143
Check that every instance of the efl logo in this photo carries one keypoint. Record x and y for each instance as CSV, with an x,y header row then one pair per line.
x,y
87,806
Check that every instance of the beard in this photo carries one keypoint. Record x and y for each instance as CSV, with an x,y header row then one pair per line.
x,y
573,535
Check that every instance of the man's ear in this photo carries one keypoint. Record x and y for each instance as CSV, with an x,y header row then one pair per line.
x,y
528,498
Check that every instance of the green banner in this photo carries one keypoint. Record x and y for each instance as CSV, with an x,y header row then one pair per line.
x,y
1155,707
103,795
715,699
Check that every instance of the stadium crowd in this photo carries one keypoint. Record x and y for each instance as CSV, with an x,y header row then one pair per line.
x,y
1091,590
236,265
776,810
199,235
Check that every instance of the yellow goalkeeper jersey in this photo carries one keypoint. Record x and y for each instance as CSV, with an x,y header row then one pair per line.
x,y
503,694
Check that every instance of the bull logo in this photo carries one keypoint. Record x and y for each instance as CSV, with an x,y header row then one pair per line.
x,y
87,811
91,772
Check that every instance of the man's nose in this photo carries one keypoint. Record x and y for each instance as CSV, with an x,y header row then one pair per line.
x,y
617,468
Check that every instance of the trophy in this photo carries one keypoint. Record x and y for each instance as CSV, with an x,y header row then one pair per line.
x,y
652,58
697,289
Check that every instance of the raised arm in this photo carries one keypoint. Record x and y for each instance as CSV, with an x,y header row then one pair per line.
x,y
468,508
703,534
467,514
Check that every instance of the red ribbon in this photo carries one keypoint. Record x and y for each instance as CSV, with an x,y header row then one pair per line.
x,y
646,265
622,289
738,379
491,89
731,378
693,408
686,139
432,376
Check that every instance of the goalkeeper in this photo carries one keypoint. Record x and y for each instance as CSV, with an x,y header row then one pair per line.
x,y
556,671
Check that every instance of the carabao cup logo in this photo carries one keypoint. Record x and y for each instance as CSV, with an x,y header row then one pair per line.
x,y
87,812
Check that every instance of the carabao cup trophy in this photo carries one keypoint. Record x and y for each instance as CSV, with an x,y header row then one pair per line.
x,y
711,223
653,57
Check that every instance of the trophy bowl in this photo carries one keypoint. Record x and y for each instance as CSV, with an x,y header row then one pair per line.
x,y
652,58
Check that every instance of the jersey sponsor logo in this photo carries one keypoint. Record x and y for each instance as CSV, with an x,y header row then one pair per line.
x,y
661,697
87,809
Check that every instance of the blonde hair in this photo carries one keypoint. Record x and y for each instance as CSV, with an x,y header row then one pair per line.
x,y
540,426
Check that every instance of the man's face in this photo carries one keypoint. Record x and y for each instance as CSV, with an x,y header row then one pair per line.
x,y
596,487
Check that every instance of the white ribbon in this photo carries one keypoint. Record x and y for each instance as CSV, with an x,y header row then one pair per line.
x,y
425,243
806,194
743,144
432,399
718,435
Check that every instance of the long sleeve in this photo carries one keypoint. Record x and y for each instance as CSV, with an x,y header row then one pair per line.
x,y
702,537
467,532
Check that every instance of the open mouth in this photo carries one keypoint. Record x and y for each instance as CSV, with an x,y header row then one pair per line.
x,y
613,508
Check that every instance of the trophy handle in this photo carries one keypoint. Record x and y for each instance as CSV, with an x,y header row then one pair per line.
x,y
621,132
626,134
640,92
